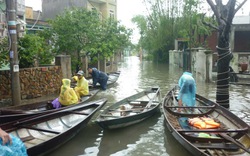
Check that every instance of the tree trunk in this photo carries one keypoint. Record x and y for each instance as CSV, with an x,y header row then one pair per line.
x,y
224,15
224,57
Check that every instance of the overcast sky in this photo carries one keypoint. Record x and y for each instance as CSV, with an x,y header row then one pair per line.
x,y
127,9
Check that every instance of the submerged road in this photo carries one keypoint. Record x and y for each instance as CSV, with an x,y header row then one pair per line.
x,y
150,137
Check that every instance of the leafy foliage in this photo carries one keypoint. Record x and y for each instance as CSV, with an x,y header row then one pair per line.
x,y
31,49
79,32
4,48
162,26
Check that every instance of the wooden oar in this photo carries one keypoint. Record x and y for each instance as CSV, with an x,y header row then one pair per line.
x,y
40,129
64,111
227,137
151,100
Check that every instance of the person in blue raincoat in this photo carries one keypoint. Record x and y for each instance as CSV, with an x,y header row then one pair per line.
x,y
98,77
5,137
187,91
11,145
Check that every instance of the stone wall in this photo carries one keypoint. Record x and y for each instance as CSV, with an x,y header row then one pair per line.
x,y
34,82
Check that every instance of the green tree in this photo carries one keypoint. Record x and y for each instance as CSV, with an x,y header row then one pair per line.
x,y
162,26
111,37
4,49
79,32
33,48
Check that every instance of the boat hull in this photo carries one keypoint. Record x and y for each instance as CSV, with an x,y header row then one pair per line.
x,y
231,137
43,133
22,111
137,111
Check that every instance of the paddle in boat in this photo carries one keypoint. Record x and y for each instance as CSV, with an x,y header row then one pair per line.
x,y
21,111
131,110
44,133
206,129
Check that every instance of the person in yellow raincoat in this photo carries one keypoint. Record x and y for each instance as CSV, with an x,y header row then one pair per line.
x,y
67,94
82,86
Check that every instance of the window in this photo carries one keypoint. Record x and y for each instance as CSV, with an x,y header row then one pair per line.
x,y
111,14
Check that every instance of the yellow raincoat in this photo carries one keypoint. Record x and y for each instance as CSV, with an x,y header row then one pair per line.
x,y
67,95
82,86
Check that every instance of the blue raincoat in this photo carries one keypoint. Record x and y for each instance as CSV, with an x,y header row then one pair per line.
x,y
187,89
99,77
17,148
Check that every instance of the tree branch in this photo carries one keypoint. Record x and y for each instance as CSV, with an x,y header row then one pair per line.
x,y
230,15
212,5
208,24
238,8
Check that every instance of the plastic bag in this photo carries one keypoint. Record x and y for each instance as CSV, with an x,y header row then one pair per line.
x,y
17,148
56,104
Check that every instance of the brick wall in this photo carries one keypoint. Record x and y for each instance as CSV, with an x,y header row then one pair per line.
x,y
34,82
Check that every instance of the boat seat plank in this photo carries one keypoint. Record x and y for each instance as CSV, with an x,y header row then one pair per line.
x,y
216,146
168,108
27,138
127,110
212,130
105,115
203,107
79,113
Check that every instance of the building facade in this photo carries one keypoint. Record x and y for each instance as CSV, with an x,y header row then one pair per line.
x,y
52,8
20,11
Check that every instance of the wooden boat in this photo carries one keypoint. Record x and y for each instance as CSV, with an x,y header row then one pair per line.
x,y
232,137
43,133
138,107
21,111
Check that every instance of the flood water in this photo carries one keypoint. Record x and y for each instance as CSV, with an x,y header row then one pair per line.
x,y
150,137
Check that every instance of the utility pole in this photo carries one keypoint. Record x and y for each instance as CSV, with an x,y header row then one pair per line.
x,y
14,63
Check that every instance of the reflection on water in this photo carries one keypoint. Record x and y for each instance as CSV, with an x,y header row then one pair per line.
x,y
149,137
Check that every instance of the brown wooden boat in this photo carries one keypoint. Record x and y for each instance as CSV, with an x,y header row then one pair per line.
x,y
44,133
131,110
21,111
232,137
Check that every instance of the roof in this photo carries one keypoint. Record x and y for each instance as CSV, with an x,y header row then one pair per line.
x,y
241,20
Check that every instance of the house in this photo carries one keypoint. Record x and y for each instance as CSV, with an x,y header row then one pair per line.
x,y
20,11
240,42
106,8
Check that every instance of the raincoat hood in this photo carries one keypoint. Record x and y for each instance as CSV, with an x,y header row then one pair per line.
x,y
187,73
66,83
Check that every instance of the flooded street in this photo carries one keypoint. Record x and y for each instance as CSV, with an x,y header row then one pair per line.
x,y
150,137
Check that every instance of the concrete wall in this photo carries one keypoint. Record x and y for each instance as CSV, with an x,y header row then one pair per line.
x,y
201,62
203,65
65,62
52,8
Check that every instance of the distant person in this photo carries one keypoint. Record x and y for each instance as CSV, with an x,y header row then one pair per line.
x,y
98,77
82,85
233,75
5,137
187,91
67,94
